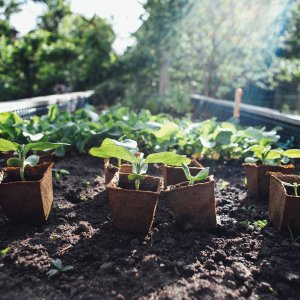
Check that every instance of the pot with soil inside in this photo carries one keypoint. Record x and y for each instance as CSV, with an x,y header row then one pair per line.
x,y
133,210
258,178
174,175
27,201
193,202
110,170
284,202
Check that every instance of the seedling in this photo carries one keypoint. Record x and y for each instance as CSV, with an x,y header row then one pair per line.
x,y
22,161
4,252
271,157
60,172
201,176
109,148
58,268
294,185
129,144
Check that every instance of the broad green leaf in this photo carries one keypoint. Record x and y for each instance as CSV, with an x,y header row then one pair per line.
x,y
33,137
292,153
127,143
136,176
273,154
42,146
6,145
166,130
251,160
207,144
32,160
109,149
224,137
168,158
14,162
256,148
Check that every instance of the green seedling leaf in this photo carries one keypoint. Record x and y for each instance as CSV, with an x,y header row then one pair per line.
x,y
273,154
292,153
251,160
32,160
33,137
202,175
207,144
136,176
57,263
14,162
166,131
4,252
42,146
52,272
168,158
186,171
6,145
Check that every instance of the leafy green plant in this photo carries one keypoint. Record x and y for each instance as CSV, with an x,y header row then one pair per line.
x,y
272,157
294,185
201,176
109,148
22,150
60,172
58,268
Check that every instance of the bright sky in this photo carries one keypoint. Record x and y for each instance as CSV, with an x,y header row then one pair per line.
x,y
122,14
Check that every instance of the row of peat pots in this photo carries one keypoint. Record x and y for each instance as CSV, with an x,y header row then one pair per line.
x,y
133,210
279,186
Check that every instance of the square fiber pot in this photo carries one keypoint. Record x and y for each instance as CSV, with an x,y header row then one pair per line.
x,y
110,170
194,206
27,201
133,210
258,181
284,206
175,175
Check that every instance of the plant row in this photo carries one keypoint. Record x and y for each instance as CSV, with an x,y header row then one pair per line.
x,y
154,133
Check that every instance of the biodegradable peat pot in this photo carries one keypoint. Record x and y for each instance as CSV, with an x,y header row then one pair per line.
x,y
27,201
194,206
175,175
284,206
133,210
258,181
110,170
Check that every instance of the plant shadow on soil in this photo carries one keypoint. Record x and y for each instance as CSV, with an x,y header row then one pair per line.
x,y
236,260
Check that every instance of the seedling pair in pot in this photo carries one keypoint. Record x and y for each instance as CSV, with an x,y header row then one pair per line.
x,y
263,161
26,191
133,196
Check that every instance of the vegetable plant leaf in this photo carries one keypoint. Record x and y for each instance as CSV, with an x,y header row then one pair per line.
x,y
33,137
168,158
41,146
14,162
292,153
6,145
202,175
32,160
186,171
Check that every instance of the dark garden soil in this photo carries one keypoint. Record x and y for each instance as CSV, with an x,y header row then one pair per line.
x,y
237,260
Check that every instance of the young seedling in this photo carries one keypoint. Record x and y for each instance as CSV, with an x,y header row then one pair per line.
x,y
60,172
294,185
4,252
22,161
129,144
201,176
109,148
58,268
271,157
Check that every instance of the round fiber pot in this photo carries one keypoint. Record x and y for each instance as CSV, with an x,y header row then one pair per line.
x,y
258,181
175,175
194,206
284,206
27,201
133,210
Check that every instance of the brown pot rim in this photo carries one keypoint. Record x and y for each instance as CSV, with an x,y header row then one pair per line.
x,y
278,177
112,186
184,185
49,165
259,165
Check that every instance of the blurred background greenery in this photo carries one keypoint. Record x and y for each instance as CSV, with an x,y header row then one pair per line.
x,y
182,47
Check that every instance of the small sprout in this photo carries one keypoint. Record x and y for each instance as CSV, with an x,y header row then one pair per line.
x,y
260,224
58,268
294,185
22,161
86,183
201,176
83,198
60,172
223,185
4,252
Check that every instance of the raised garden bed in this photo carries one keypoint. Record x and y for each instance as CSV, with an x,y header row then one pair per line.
x,y
241,258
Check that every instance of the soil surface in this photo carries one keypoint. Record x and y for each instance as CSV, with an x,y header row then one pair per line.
x,y
237,260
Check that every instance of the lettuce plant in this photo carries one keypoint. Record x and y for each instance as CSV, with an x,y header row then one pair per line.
x,y
271,157
109,148
22,150
201,176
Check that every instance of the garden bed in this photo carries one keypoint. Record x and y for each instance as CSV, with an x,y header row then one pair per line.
x,y
238,259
